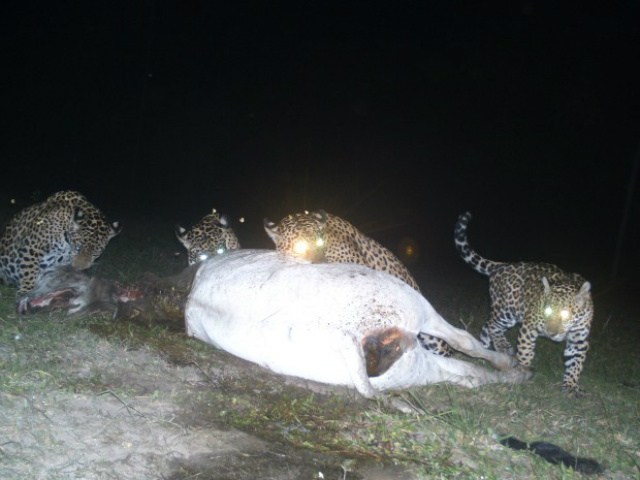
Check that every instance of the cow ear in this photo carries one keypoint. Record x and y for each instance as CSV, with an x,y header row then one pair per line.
x,y
272,230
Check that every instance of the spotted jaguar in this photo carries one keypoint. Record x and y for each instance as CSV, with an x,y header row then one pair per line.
x,y
322,237
65,229
544,299
211,236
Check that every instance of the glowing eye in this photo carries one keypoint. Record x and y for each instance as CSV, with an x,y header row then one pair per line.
x,y
319,242
220,251
548,311
300,247
203,257
564,314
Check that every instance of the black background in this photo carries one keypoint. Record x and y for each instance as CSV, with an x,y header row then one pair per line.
x,y
395,116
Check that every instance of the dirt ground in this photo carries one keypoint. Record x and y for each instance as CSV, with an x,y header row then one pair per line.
x,y
146,418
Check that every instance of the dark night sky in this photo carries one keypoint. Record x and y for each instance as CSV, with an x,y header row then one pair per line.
x,y
395,117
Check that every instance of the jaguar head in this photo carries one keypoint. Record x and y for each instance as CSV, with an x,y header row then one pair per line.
x,y
89,235
563,306
210,237
301,235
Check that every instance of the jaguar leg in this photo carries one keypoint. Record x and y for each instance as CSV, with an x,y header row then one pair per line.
x,y
575,354
435,345
495,330
526,344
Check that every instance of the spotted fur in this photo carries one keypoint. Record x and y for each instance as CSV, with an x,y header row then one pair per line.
x,y
543,298
210,237
65,229
321,237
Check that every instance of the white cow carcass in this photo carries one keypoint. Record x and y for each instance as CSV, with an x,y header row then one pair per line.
x,y
341,324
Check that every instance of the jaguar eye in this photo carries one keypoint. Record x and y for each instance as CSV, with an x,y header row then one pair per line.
x,y
220,251
300,247
548,310
319,241
203,256
564,314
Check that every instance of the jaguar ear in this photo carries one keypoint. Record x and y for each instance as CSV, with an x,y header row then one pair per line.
x,y
321,215
180,234
272,230
585,289
583,294
78,215
547,288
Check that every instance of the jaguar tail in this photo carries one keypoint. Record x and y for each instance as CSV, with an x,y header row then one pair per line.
x,y
479,263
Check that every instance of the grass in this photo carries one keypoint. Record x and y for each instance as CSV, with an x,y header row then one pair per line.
x,y
454,437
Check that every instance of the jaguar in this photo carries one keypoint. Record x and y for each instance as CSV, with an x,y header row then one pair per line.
x,y
64,229
321,237
211,236
545,300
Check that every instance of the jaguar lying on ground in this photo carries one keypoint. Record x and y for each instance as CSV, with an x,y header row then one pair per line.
x,y
210,237
324,238
65,229
544,299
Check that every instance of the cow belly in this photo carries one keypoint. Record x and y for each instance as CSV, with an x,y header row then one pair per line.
x,y
297,319
294,349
